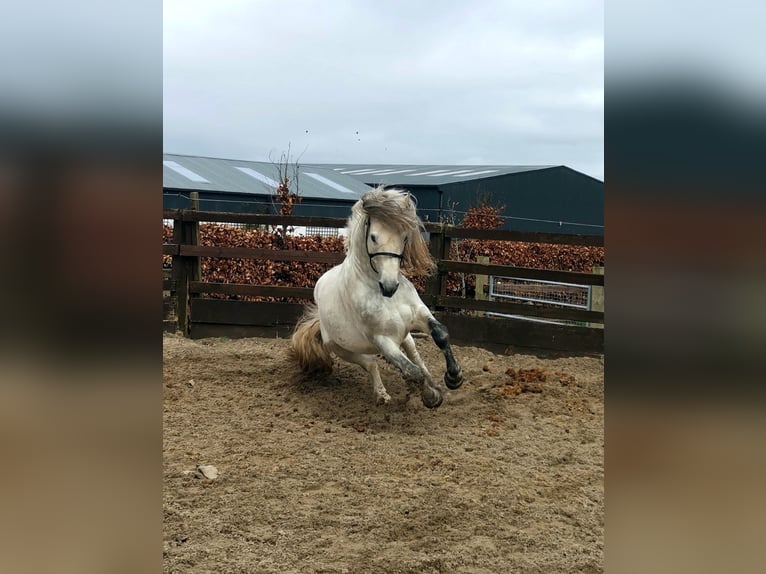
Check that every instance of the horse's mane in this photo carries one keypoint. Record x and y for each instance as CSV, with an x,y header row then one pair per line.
x,y
396,208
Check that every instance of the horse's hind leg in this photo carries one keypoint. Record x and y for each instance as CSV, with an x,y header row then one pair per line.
x,y
368,363
430,394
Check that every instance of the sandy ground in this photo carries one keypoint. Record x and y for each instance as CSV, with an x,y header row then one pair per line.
x,y
315,478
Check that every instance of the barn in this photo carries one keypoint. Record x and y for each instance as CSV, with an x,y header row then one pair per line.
x,y
541,198
248,186
538,198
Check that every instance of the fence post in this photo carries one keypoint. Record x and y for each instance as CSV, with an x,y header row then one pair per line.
x,y
481,283
185,268
436,284
446,248
193,239
597,296
180,280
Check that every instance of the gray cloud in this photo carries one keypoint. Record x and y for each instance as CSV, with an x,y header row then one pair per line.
x,y
453,82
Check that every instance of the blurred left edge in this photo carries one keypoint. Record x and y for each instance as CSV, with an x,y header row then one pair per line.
x,y
80,359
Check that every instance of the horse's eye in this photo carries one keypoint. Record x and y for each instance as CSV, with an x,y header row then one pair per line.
x,y
374,238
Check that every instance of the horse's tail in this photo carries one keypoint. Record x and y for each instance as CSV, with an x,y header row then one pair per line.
x,y
307,347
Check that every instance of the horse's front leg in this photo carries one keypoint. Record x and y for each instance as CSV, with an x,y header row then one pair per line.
x,y
453,378
430,395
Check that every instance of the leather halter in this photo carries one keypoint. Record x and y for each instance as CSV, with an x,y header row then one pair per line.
x,y
399,256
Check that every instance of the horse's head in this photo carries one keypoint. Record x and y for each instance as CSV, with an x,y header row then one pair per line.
x,y
385,248
385,224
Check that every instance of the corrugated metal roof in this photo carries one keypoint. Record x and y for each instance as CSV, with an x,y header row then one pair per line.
x,y
253,177
401,174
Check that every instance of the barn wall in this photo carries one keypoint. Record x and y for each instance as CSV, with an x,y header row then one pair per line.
x,y
427,199
557,194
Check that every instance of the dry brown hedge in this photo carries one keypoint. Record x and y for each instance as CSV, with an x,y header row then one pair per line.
x,y
300,274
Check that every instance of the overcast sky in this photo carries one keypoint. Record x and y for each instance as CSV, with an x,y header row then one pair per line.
x,y
367,81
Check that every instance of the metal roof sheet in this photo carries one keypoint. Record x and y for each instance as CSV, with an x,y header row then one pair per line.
x,y
401,174
254,177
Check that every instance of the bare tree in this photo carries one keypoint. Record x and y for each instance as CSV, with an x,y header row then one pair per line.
x,y
449,215
287,193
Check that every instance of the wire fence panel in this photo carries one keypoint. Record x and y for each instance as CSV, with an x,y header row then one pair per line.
x,y
322,231
540,292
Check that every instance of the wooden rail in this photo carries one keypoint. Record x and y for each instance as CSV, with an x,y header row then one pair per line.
x,y
510,308
332,257
523,236
253,290
521,272
190,215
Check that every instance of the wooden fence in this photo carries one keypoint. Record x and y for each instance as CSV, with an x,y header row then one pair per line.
x,y
199,317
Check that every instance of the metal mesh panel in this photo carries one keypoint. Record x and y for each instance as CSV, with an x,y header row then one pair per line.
x,y
322,231
538,292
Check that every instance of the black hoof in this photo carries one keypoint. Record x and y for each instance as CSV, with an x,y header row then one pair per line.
x,y
434,400
453,381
